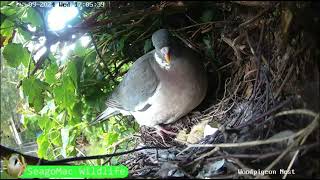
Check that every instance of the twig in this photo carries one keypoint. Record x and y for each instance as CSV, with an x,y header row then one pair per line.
x,y
200,24
298,111
143,34
122,140
253,3
83,155
224,66
195,22
249,143
253,95
233,46
264,156
255,18
290,164
284,81
204,155
258,157
188,43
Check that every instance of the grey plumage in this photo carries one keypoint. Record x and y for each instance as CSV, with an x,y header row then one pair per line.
x,y
158,93
140,81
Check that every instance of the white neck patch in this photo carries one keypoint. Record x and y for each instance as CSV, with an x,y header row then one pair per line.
x,y
163,64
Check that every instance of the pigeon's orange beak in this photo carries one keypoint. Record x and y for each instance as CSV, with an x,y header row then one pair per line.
x,y
166,53
167,58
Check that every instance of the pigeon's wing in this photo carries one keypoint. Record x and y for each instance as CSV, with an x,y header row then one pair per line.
x,y
137,86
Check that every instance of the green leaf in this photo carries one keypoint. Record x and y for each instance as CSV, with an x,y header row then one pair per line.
x,y
7,10
15,54
60,96
7,28
44,123
111,138
207,16
50,73
74,120
32,17
90,58
65,94
147,45
38,104
73,135
41,138
79,50
30,120
43,145
55,138
33,88
73,71
77,110
4,3
26,35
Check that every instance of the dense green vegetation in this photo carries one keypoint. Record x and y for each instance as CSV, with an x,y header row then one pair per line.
x,y
60,94
61,97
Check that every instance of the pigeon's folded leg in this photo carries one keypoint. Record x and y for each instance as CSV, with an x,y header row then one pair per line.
x,y
162,132
161,129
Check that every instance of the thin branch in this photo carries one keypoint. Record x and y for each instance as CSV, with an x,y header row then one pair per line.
x,y
98,156
249,143
256,17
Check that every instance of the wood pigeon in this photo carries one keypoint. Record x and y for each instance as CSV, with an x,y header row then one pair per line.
x,y
161,86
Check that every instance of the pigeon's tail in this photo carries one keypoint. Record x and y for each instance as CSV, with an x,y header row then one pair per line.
x,y
105,115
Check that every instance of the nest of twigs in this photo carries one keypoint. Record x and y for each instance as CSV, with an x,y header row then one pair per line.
x,y
264,100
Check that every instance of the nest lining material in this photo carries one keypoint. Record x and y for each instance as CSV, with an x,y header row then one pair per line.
x,y
266,106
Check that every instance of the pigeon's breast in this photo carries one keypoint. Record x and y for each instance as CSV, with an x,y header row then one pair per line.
x,y
180,90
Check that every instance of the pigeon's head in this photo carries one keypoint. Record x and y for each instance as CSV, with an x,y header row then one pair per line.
x,y
161,42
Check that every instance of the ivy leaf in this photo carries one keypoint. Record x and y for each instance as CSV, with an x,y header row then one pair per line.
x,y
77,110
7,28
15,54
147,45
43,145
64,95
111,137
7,10
26,35
73,135
50,73
44,123
33,88
55,137
73,71
32,17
